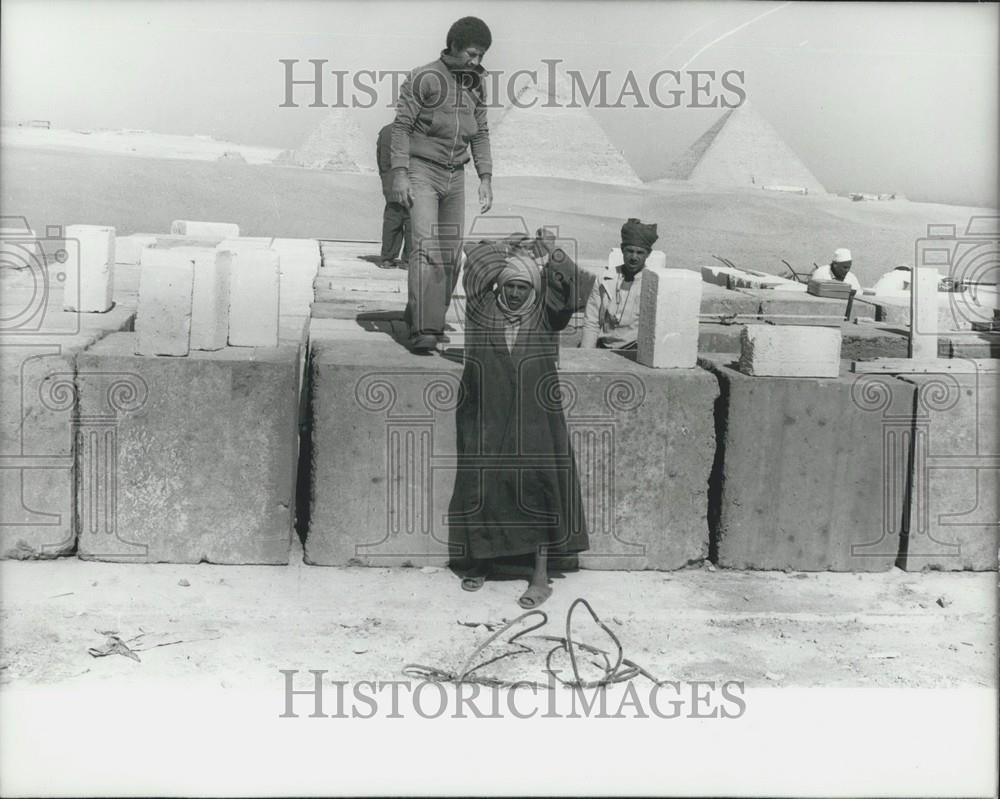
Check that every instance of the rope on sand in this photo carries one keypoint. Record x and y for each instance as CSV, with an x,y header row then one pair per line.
x,y
622,670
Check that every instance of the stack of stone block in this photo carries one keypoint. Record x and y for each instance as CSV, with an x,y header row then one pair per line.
x,y
200,298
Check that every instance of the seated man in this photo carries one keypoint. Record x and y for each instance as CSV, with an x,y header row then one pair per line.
x,y
611,320
839,269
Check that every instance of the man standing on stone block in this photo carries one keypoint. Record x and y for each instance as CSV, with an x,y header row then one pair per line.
x,y
396,216
611,319
440,116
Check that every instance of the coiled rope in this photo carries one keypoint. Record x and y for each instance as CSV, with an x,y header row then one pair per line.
x,y
621,670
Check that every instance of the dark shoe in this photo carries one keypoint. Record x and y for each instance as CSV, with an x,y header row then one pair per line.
x,y
423,343
443,338
403,265
387,264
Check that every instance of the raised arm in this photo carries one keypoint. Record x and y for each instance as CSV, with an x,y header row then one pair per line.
x,y
483,264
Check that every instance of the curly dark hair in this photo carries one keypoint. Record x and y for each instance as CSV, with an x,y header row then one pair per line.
x,y
469,31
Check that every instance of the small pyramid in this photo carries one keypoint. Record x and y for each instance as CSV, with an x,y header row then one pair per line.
x,y
337,144
555,141
743,149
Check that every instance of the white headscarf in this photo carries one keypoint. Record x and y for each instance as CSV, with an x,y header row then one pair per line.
x,y
520,266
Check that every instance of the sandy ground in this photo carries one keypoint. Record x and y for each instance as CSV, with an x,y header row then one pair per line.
x,y
235,626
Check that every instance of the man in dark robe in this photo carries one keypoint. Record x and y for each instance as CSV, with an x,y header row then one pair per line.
x,y
516,487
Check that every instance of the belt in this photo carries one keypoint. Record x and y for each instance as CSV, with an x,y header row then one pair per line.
x,y
451,167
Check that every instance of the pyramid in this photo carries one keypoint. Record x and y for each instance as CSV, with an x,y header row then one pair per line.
x,y
558,142
336,144
742,149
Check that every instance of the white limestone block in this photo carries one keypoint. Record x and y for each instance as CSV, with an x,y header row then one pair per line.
x,y
924,313
656,258
129,248
669,306
166,288
210,297
188,227
254,296
790,351
89,285
719,275
300,263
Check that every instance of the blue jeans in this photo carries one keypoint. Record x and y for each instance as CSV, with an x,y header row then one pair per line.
x,y
395,226
437,219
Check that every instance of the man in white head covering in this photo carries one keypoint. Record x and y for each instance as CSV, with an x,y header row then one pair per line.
x,y
839,269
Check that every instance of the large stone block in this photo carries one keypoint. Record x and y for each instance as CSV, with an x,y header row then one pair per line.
x,y
668,318
643,442
722,302
166,287
188,227
788,307
383,454
254,297
36,447
790,351
88,284
954,511
192,459
812,471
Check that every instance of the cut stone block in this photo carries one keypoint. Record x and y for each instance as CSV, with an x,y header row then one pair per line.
x,y
36,447
128,249
668,318
210,297
370,410
790,351
300,264
924,313
722,302
88,286
954,512
858,342
196,458
254,298
166,286
187,227
718,275
784,307
643,444
812,472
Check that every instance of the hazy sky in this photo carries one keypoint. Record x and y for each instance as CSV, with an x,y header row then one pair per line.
x,y
873,97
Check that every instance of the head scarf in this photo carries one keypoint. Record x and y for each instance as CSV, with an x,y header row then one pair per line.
x,y
520,266
636,234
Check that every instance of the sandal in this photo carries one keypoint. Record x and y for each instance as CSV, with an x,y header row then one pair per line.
x,y
534,596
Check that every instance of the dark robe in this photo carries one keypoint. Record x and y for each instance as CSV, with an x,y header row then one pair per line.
x,y
516,483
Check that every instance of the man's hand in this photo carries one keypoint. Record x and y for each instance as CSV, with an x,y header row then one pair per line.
x,y
485,193
400,192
